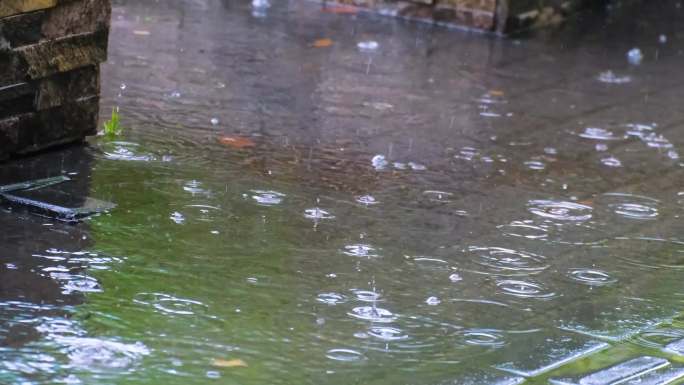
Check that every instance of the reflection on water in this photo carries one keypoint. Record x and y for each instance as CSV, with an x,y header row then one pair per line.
x,y
401,204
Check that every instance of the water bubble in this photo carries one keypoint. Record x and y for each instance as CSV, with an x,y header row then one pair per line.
x,y
122,86
523,289
611,161
560,210
317,213
177,217
635,56
81,283
373,314
591,277
634,206
597,133
366,200
360,250
91,353
417,166
194,187
346,355
379,162
535,165
467,153
662,39
484,337
635,211
387,333
331,298
437,196
368,46
214,121
213,374
367,295
601,147
507,261
611,78
433,301
261,3
455,278
125,151
267,198
169,304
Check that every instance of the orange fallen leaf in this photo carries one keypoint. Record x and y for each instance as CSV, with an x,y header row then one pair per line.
x,y
587,202
496,93
322,43
236,141
236,363
341,9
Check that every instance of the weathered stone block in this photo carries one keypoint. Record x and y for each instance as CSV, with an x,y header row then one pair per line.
x,y
71,18
50,52
34,131
13,7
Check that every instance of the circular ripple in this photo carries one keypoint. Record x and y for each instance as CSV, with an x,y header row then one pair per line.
x,y
387,333
596,133
525,229
374,314
658,338
508,262
523,289
267,198
81,283
560,210
317,213
346,355
591,277
366,295
169,304
484,337
331,298
360,250
635,211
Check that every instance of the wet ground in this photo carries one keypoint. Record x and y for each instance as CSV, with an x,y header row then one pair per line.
x,y
307,197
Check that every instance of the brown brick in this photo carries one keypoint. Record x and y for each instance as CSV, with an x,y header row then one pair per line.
x,y
70,18
35,131
13,7
50,57
60,89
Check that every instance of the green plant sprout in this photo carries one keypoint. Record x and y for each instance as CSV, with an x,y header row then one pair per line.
x,y
112,127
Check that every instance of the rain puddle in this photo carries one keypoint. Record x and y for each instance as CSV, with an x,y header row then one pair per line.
x,y
303,196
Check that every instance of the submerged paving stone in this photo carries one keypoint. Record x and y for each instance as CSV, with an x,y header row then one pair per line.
x,y
42,197
676,347
549,352
659,377
620,373
56,204
486,378
34,184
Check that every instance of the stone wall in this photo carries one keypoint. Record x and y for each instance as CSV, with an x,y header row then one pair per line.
x,y
50,52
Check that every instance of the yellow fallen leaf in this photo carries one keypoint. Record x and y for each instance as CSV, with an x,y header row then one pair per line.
x,y
235,363
322,43
496,93
141,32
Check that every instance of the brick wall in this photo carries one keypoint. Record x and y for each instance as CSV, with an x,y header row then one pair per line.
x,y
50,52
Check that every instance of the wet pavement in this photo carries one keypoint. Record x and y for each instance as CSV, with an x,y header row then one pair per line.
x,y
314,198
